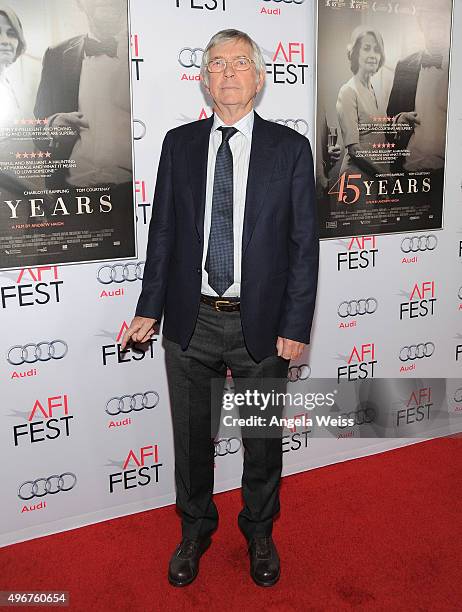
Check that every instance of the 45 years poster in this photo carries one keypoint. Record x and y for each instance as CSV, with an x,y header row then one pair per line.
x,y
382,92
66,163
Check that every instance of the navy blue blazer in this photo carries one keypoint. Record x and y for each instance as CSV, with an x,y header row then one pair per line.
x,y
280,246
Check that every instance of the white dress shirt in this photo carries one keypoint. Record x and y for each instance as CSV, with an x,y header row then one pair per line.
x,y
240,145
103,151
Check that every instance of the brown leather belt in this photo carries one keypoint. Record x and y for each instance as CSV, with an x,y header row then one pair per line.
x,y
222,304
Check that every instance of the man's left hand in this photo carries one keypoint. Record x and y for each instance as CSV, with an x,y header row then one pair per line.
x,y
289,349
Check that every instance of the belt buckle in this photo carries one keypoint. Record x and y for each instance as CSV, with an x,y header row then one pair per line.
x,y
224,302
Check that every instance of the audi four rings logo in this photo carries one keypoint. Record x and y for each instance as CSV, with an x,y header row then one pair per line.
x,y
460,293
142,132
362,416
357,307
132,403
119,273
227,446
42,351
458,395
190,57
44,486
301,372
299,125
415,244
416,351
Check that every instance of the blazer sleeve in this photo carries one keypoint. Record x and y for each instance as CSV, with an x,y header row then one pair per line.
x,y
303,245
160,239
43,103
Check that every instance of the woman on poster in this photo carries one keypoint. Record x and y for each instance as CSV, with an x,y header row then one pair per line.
x,y
358,106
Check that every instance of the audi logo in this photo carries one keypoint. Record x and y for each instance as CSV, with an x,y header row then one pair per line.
x,y
416,351
190,58
361,416
227,446
357,307
44,486
299,125
301,372
132,403
31,353
460,293
419,243
143,131
458,395
286,1
119,273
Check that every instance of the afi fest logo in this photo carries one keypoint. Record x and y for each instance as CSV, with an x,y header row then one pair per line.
x,y
48,419
416,407
361,253
202,5
360,362
142,202
139,468
33,287
421,301
287,64
112,353
137,60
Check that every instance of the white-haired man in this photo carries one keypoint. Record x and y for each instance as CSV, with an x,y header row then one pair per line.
x,y
232,263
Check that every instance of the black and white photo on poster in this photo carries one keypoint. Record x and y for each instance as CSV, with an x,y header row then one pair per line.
x,y
66,163
382,92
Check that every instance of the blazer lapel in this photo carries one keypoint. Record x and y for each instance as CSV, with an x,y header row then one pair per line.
x,y
197,157
261,165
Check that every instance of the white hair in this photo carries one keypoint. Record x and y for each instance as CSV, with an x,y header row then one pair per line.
x,y
225,36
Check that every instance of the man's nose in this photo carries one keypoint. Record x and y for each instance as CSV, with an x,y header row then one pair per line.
x,y
229,70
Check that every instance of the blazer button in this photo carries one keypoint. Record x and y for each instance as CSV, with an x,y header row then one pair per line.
x,y
198,270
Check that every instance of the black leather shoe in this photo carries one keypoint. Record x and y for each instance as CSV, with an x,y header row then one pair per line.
x,y
184,564
265,566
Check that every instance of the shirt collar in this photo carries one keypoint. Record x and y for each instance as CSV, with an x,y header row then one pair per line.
x,y
244,125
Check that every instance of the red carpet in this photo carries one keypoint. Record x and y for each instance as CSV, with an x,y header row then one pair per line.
x,y
379,533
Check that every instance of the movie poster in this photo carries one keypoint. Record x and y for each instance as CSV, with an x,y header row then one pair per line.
x,y
382,94
66,166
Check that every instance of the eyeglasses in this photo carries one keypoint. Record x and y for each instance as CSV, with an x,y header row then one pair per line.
x,y
238,63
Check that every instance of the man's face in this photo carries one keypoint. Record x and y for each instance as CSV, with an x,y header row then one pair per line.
x,y
233,88
436,29
106,17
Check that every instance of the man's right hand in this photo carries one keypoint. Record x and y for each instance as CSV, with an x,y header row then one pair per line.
x,y
141,330
411,118
74,120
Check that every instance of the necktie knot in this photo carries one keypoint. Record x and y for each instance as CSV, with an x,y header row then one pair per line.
x,y
227,133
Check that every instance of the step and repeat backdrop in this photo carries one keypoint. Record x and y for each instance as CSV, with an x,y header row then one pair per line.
x,y
85,427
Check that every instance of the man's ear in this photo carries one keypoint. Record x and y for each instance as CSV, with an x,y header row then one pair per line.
x,y
260,82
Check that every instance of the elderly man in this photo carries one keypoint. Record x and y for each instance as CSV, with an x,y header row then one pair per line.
x,y
232,263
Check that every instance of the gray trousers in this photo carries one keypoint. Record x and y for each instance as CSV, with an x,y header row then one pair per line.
x,y
218,343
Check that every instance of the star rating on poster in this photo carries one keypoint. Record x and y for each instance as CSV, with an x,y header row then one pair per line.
x,y
31,121
33,155
383,145
382,119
